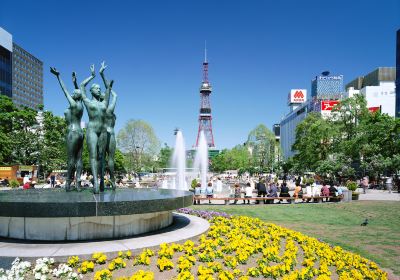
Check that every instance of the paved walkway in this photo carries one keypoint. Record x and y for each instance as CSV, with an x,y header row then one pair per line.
x,y
379,195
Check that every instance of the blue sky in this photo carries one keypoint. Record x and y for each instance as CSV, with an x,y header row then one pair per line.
x,y
257,50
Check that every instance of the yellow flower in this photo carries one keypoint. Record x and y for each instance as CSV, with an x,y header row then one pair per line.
x,y
73,261
104,274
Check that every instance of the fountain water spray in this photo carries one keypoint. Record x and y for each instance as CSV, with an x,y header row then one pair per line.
x,y
179,162
201,160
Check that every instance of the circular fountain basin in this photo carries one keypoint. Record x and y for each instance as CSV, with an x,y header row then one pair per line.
x,y
53,214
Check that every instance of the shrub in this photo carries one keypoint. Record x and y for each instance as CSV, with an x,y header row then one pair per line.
x,y
14,183
193,183
351,185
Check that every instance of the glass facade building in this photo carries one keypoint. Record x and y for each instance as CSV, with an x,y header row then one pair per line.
x,y
5,72
5,63
21,74
326,86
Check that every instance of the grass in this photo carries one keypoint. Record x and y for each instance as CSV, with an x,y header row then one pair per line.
x,y
337,224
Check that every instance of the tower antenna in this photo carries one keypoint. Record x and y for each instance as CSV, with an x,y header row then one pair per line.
x,y
205,51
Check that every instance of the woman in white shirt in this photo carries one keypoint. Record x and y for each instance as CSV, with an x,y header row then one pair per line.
x,y
248,192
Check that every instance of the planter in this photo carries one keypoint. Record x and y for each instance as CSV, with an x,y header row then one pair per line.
x,y
355,195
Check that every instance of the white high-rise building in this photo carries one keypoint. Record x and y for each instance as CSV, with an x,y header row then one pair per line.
x,y
379,89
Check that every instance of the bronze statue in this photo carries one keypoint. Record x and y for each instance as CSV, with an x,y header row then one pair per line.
x,y
73,116
96,134
109,126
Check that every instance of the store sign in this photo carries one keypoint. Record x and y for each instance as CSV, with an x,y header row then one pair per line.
x,y
374,109
340,77
2,168
328,105
297,96
25,168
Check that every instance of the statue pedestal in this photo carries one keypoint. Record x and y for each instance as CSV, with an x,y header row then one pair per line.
x,y
55,215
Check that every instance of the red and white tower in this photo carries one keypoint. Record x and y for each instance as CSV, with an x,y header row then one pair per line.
x,y
205,107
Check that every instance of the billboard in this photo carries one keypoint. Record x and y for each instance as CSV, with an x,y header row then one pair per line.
x,y
297,96
327,105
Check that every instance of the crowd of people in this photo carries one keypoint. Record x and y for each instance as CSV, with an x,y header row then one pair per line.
x,y
271,189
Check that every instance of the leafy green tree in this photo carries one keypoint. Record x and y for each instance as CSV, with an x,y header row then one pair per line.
x,y
353,142
262,146
139,143
52,145
314,138
238,158
164,156
7,109
24,137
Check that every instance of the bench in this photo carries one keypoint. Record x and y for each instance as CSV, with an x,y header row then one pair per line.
x,y
317,199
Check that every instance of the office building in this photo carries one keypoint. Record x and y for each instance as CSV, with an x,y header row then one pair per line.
x,y
378,87
5,63
326,86
326,91
21,73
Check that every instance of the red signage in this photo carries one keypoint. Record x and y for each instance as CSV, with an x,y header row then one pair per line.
x,y
374,109
298,94
328,105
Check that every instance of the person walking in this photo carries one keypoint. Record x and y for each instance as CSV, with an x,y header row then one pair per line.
x,y
364,184
389,184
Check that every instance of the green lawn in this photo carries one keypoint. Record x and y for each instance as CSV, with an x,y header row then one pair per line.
x,y
337,224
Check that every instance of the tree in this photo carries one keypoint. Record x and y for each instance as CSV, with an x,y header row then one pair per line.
x,y
7,109
164,156
262,146
314,138
238,158
52,146
139,144
24,137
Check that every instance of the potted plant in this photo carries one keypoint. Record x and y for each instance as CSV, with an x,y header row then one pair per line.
x,y
352,186
14,183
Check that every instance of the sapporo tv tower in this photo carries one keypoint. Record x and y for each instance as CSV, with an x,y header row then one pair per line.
x,y
205,107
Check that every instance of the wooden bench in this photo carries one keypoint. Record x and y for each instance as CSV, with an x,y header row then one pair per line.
x,y
317,199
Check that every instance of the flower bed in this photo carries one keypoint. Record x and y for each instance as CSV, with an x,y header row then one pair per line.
x,y
235,247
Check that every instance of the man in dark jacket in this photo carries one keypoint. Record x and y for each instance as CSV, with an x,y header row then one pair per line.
x,y
261,190
285,193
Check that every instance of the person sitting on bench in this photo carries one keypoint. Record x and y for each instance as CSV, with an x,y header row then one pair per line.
x,y
273,192
261,190
248,192
333,192
324,192
284,193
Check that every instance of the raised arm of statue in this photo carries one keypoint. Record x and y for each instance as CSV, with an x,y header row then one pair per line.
x,y
107,93
113,102
74,80
102,68
54,71
85,82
